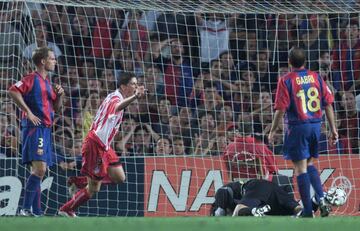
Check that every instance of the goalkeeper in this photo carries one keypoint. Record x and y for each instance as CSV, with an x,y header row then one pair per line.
x,y
261,197
254,198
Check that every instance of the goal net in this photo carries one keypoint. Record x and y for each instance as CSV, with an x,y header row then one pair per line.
x,y
211,69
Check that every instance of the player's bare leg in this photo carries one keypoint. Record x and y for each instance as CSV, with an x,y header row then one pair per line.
x,y
33,190
81,197
116,174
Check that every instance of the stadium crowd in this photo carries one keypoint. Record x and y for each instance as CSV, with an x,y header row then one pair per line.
x,y
210,77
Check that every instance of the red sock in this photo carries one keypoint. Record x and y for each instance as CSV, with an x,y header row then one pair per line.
x,y
80,198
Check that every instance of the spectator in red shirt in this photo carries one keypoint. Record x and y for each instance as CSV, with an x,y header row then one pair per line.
x,y
346,57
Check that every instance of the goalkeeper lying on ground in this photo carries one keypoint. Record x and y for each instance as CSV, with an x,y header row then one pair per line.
x,y
255,198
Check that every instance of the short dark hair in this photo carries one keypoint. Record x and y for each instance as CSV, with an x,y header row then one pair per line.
x,y
224,53
214,61
125,78
297,57
40,54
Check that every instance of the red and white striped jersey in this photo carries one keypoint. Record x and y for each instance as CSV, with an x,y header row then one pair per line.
x,y
107,122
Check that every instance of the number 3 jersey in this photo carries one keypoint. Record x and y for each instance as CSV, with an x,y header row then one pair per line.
x,y
302,94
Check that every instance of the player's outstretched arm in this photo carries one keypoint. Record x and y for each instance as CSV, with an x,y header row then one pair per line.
x,y
19,100
139,92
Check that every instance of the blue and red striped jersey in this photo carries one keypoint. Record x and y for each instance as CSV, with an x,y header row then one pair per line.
x,y
302,94
39,96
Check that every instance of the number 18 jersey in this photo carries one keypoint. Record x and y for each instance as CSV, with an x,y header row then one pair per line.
x,y
302,94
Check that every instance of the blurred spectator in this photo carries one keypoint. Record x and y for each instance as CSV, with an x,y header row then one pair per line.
x,y
224,119
224,86
11,41
58,28
81,45
108,81
135,37
326,74
8,138
214,30
346,64
228,72
178,73
125,63
172,24
154,80
90,107
20,20
125,138
342,147
211,98
314,37
175,130
101,35
262,112
206,138
350,120
153,83
148,19
266,79
163,147
143,142
5,81
63,139
41,41
162,127
220,146
178,146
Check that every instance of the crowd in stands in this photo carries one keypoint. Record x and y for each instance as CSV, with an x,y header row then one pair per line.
x,y
210,76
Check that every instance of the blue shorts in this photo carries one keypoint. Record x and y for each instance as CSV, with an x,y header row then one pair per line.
x,y
36,145
302,141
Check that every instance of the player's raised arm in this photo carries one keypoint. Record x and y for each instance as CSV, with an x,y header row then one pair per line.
x,y
140,91
60,96
129,88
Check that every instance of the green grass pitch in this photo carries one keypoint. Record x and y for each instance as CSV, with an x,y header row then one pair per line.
x,y
179,223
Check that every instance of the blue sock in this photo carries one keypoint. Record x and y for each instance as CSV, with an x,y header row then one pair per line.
x,y
30,191
315,182
36,206
303,182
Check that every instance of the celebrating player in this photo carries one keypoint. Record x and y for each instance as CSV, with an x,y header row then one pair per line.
x,y
302,94
37,99
99,159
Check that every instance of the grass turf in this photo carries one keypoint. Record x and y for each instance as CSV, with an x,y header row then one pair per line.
x,y
179,223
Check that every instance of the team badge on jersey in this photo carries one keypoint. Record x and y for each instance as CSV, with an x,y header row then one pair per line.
x,y
18,84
